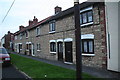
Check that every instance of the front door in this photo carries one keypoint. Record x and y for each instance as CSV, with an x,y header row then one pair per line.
x,y
60,51
68,52
30,49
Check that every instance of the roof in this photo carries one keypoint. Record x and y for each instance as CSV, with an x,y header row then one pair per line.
x,y
57,16
31,27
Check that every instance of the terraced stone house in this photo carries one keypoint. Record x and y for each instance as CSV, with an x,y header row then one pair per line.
x,y
53,38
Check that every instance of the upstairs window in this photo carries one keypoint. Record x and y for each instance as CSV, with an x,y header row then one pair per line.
x,y
86,16
37,31
52,26
27,34
15,37
21,35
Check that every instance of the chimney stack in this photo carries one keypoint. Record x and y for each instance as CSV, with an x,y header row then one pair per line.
x,y
30,22
21,27
58,9
35,20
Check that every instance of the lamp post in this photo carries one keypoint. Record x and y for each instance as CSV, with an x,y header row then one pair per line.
x,y
78,40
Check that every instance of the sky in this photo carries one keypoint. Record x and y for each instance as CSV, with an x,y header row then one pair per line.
x,y
24,10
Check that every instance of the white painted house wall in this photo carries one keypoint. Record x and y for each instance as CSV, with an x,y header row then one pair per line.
x,y
112,36
2,41
119,37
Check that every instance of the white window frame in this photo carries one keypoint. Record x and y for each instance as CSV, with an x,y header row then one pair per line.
x,y
88,36
37,31
21,36
16,37
86,10
51,27
53,41
38,46
27,32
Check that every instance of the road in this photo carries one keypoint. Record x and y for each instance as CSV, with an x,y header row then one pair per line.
x,y
11,72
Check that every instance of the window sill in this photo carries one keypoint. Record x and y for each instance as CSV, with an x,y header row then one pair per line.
x,y
26,37
86,24
27,50
38,50
88,55
53,52
51,32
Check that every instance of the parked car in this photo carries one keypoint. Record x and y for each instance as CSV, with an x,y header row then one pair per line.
x,y
4,57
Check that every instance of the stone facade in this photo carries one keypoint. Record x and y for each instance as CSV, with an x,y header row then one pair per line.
x,y
64,29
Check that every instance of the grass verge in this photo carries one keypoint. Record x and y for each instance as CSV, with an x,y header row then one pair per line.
x,y
37,69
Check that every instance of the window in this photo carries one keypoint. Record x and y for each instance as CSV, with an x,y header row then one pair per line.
x,y
21,35
88,46
37,31
86,16
90,16
38,47
52,47
52,26
26,34
15,37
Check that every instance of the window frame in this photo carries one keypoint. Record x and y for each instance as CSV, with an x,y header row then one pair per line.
x,y
52,26
21,35
27,34
38,47
53,48
87,40
37,31
86,11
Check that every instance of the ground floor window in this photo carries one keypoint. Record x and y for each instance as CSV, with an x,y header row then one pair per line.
x,y
38,46
53,47
88,46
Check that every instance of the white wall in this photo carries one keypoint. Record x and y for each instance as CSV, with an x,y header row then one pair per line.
x,y
112,30
119,38
2,41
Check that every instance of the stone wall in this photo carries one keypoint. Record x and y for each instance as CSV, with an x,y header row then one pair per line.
x,y
65,29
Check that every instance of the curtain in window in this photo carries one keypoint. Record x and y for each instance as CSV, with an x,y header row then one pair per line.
x,y
52,47
84,15
90,18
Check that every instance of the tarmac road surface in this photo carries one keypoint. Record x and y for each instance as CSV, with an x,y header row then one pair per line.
x,y
10,72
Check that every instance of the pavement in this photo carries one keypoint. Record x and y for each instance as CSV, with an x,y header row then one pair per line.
x,y
11,73
97,72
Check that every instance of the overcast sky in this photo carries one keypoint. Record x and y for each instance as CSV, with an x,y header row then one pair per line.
x,y
24,10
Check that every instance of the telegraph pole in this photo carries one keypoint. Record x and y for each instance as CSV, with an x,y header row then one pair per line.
x,y
78,40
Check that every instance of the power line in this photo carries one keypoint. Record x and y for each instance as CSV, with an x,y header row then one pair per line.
x,y
8,11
